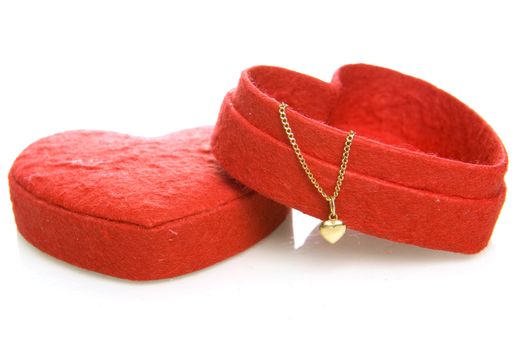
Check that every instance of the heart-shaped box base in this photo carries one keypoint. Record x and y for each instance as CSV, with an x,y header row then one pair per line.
x,y
135,208
424,168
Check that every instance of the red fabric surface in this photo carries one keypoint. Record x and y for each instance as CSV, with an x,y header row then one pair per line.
x,y
424,168
135,208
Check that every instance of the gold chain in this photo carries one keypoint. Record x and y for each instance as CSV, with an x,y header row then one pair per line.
x,y
304,165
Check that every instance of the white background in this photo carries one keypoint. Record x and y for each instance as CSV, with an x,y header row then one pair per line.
x,y
150,68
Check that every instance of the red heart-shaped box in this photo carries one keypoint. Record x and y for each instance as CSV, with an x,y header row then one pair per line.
x,y
135,208
424,168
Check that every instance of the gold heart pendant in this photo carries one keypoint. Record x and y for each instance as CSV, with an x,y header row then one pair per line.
x,y
332,230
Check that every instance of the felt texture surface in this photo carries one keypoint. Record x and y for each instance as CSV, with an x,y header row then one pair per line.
x,y
424,168
135,208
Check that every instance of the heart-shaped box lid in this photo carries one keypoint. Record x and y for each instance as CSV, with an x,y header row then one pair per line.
x,y
132,207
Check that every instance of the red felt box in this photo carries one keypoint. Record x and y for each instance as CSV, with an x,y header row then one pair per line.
x,y
424,168
135,208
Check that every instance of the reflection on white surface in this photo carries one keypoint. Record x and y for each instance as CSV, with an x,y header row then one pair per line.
x,y
303,228
355,285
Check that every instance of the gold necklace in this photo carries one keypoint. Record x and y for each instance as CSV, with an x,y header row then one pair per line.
x,y
333,228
